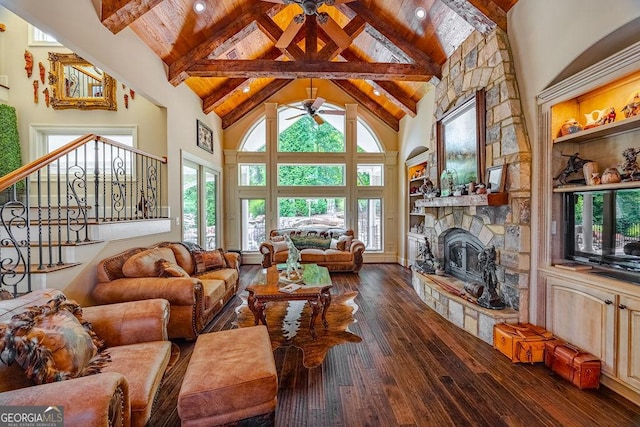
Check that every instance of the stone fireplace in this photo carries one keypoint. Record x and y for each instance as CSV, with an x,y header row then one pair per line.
x,y
457,232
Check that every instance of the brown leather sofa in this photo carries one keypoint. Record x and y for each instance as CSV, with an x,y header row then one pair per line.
x,y
317,246
131,275
123,393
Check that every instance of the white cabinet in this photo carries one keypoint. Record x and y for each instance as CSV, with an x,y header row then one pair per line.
x,y
413,246
584,316
602,320
629,356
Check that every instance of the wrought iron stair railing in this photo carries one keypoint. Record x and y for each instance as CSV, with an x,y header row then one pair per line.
x,y
50,203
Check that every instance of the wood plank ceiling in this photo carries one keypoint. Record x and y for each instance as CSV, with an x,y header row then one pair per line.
x,y
377,51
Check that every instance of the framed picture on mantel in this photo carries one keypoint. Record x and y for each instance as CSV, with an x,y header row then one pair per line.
x,y
460,135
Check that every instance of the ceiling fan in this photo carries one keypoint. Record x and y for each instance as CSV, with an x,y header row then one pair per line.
x,y
310,8
311,107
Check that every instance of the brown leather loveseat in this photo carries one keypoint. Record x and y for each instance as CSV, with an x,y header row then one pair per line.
x,y
334,248
196,283
122,394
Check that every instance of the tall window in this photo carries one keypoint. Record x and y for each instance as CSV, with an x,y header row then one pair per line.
x,y
200,204
317,176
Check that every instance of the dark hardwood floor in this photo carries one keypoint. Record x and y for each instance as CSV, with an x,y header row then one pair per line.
x,y
412,368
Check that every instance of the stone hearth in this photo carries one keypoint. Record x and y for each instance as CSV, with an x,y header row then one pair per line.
x,y
476,320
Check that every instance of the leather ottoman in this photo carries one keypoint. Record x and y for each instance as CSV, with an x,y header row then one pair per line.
x,y
231,377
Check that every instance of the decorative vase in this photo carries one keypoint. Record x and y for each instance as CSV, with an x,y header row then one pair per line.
x,y
610,176
589,169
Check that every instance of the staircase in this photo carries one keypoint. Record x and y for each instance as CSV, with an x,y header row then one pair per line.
x,y
59,211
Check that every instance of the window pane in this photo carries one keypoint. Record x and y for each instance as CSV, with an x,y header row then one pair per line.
x,y
367,141
314,175
254,175
107,154
189,204
304,135
256,139
253,224
370,175
312,213
460,145
369,224
210,206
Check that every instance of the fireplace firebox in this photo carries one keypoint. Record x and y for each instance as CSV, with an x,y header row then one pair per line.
x,y
461,250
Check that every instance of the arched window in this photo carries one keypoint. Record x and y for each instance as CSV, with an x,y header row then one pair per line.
x,y
314,175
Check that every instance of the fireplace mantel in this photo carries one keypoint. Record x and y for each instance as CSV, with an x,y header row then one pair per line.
x,y
493,199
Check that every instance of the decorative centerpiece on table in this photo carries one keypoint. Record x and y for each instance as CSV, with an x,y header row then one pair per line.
x,y
292,273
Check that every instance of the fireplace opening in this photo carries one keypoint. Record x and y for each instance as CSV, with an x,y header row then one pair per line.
x,y
461,250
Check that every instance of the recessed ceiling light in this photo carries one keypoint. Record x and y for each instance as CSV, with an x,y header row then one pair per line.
x,y
376,92
421,13
246,89
199,6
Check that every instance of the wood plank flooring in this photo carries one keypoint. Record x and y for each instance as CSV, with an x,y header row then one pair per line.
x,y
413,368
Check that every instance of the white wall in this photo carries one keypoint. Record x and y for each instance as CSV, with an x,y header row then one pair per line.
x,y
76,25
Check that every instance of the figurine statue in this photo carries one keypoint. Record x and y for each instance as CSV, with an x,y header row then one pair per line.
x,y
425,260
427,188
490,297
630,166
292,259
574,164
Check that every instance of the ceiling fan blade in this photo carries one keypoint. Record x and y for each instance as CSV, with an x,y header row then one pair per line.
x,y
331,112
317,103
318,119
288,34
281,1
337,34
334,2
294,106
296,116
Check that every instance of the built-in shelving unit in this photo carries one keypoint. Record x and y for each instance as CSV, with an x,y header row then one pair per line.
x,y
605,131
599,187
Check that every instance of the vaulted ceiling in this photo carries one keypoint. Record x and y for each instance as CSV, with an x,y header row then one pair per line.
x,y
238,53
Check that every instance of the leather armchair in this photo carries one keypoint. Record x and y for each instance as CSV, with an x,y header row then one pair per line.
x,y
123,393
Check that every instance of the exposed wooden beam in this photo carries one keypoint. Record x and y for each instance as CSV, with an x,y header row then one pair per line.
x,y
222,93
390,89
256,100
310,68
233,40
364,100
311,37
273,31
116,15
389,31
331,49
219,34
483,15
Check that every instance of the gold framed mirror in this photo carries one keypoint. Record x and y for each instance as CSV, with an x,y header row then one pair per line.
x,y
76,83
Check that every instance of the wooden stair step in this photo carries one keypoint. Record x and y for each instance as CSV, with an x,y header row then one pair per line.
x,y
45,269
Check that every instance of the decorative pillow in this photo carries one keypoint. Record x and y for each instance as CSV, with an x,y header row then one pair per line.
x,y
310,242
279,246
169,269
277,238
333,244
143,264
210,260
344,243
53,342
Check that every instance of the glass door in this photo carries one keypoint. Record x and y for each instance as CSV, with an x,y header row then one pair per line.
x,y
200,204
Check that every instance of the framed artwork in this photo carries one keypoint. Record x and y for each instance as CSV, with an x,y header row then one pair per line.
x,y
460,135
204,136
496,177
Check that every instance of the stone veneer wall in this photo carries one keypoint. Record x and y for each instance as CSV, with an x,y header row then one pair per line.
x,y
486,62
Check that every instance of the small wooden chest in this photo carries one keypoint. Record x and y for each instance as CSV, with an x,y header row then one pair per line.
x,y
576,366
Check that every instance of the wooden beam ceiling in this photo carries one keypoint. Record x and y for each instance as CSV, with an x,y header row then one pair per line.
x,y
219,34
116,15
256,100
483,15
309,68
368,103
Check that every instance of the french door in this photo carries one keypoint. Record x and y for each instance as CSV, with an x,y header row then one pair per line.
x,y
200,196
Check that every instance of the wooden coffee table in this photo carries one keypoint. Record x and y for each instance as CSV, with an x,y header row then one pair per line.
x,y
314,289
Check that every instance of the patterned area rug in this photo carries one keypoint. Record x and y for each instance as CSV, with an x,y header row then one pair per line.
x,y
288,324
